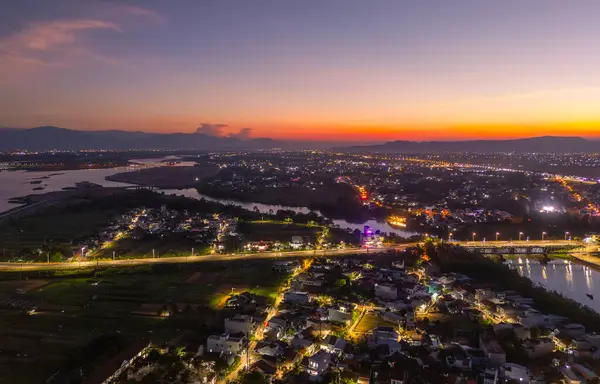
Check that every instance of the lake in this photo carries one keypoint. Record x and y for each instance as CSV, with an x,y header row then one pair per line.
x,y
571,279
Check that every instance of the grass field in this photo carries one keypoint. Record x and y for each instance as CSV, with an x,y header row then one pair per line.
x,y
170,246
74,311
56,225
368,322
279,231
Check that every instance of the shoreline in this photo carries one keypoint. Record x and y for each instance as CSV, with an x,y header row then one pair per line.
x,y
166,176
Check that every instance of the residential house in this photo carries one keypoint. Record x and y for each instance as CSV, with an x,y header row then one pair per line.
x,y
516,372
483,294
318,364
272,349
240,324
277,325
532,318
334,345
493,351
225,344
574,330
341,314
393,317
296,297
385,333
297,242
267,368
304,339
386,291
490,376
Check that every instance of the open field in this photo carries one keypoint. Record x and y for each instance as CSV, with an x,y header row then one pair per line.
x,y
167,177
271,230
172,245
368,322
53,224
73,312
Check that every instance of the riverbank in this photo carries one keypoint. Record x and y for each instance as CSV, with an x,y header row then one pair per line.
x,y
167,177
485,271
591,260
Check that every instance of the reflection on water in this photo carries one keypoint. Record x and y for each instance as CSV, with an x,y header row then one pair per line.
x,y
572,280
18,183
267,208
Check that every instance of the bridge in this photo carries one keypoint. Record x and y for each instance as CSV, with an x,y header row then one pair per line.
x,y
526,247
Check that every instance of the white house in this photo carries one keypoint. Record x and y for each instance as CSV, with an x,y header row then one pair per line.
x,y
240,324
297,242
225,344
270,350
341,314
533,318
333,344
318,364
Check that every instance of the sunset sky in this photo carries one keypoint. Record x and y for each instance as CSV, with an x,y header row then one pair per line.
x,y
307,70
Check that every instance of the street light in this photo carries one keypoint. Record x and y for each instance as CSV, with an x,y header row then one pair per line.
x,y
474,234
521,236
497,234
543,235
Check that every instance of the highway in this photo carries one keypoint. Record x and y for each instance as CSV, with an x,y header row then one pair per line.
x,y
518,243
16,266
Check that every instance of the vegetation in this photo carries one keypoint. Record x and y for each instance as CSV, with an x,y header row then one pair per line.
x,y
81,313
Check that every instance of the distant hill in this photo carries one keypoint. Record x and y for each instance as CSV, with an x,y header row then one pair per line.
x,y
48,138
544,144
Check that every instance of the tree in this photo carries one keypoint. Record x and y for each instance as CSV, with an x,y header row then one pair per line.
x,y
253,377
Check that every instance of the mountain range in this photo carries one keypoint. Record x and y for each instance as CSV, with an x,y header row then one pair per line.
x,y
49,138
54,138
543,144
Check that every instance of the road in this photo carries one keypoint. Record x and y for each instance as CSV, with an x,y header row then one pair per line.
x,y
16,266
259,333
518,243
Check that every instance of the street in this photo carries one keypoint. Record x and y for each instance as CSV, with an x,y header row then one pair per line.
x,y
16,266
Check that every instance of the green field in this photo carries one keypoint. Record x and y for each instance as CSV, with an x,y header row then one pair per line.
x,y
169,246
269,230
56,225
74,311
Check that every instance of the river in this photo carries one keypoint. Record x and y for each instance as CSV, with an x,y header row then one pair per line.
x,y
18,183
571,279
266,208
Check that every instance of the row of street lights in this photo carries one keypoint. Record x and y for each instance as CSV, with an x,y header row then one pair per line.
x,y
544,234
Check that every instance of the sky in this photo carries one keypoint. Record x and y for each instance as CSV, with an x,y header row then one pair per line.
x,y
339,70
